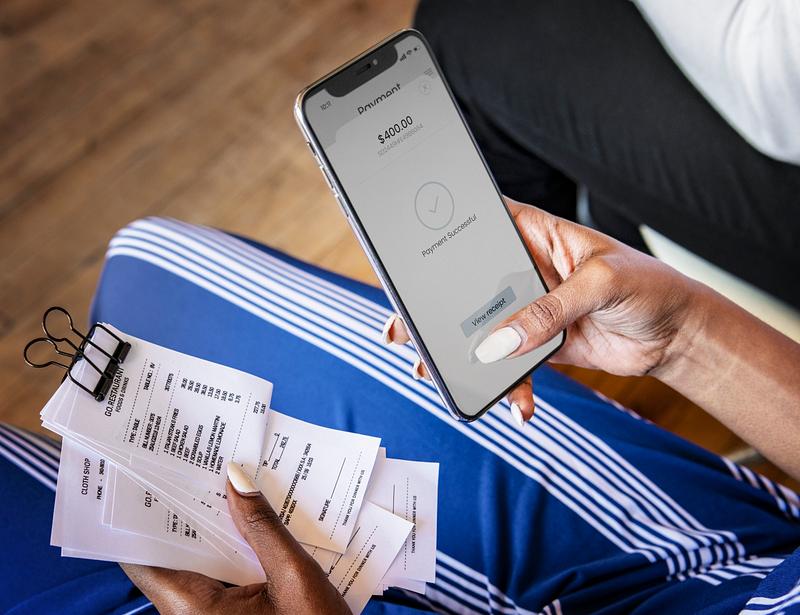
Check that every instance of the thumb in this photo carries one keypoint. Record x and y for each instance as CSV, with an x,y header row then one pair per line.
x,y
175,591
585,291
259,525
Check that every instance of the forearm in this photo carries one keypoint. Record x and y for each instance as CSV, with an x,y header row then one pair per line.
x,y
743,372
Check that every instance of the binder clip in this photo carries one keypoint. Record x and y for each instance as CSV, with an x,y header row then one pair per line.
x,y
84,342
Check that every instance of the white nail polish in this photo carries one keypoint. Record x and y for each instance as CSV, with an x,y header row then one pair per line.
x,y
416,371
516,413
498,345
388,327
240,480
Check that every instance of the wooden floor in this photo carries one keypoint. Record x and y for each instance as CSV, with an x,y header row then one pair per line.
x,y
115,110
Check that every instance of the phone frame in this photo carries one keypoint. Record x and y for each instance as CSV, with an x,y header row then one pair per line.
x,y
340,195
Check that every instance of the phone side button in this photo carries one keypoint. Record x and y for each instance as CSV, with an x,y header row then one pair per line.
x,y
328,179
341,204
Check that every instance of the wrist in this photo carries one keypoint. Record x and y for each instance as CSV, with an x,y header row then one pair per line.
x,y
687,352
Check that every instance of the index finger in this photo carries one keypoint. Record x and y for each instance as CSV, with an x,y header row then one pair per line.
x,y
515,207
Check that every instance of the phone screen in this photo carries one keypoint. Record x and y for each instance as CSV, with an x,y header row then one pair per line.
x,y
423,198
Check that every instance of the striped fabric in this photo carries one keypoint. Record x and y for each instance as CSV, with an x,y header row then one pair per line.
x,y
33,454
778,604
786,500
596,483
589,507
780,594
758,567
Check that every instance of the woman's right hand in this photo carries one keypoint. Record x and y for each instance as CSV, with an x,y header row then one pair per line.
x,y
624,312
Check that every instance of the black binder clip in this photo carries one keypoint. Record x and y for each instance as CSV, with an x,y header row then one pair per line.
x,y
107,373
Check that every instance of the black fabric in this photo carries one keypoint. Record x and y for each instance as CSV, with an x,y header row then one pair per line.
x,y
559,92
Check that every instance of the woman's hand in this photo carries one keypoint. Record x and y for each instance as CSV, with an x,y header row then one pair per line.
x,y
294,581
622,309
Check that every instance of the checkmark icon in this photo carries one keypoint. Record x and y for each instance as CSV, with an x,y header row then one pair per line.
x,y
433,205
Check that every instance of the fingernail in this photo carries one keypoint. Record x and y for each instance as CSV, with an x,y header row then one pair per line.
x,y
387,328
416,371
498,345
516,413
243,484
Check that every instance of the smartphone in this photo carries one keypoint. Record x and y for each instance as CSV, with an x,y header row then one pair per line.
x,y
408,175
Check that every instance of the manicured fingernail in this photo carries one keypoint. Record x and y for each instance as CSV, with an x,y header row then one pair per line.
x,y
516,413
498,345
387,329
416,371
243,484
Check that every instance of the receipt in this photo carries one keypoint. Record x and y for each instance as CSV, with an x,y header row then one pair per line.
x,y
409,584
108,501
142,478
410,489
227,543
374,545
79,531
315,478
187,415
135,509
322,556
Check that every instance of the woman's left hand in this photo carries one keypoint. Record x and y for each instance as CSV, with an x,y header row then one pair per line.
x,y
294,581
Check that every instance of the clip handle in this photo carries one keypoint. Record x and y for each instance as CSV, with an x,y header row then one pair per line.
x,y
47,341
106,374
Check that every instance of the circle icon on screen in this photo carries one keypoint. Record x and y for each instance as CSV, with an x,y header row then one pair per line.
x,y
434,205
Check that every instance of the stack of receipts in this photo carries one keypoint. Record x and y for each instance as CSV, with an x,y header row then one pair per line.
x,y
143,473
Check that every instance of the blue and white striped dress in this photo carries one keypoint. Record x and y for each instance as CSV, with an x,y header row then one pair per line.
x,y
587,509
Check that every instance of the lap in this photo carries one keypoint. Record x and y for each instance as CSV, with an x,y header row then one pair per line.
x,y
559,509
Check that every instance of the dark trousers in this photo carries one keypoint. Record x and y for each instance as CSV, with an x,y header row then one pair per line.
x,y
560,92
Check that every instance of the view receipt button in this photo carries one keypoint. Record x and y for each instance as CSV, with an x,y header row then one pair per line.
x,y
488,312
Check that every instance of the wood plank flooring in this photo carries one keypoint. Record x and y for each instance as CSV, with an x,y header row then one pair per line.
x,y
114,111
